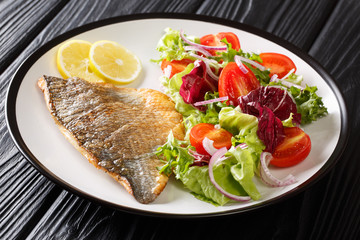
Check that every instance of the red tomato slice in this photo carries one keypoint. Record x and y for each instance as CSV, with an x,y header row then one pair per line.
x,y
235,83
278,63
294,149
215,40
221,137
176,65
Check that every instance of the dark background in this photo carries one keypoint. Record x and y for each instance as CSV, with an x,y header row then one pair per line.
x,y
33,207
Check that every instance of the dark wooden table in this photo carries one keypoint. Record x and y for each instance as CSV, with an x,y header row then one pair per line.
x,y
33,207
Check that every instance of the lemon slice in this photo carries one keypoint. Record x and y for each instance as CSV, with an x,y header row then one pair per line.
x,y
73,60
114,62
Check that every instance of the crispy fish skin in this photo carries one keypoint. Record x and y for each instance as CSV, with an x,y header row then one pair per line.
x,y
116,129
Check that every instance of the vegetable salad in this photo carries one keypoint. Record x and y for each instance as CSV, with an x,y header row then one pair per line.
x,y
242,111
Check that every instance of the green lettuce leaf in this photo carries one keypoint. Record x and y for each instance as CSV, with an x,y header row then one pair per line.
x,y
242,167
309,104
243,127
175,155
235,121
171,46
197,180
211,115
294,78
289,122
172,87
177,160
235,175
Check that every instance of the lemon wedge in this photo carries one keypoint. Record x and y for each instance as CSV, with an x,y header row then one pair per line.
x,y
113,62
73,60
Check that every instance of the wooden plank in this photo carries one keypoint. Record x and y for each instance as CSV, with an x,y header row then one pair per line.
x,y
72,217
338,48
25,196
25,193
20,22
295,21
58,222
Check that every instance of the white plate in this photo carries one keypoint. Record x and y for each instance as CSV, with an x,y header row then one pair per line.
x,y
37,137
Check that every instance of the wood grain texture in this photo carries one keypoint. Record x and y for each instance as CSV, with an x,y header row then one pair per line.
x,y
33,207
295,21
338,48
25,196
19,25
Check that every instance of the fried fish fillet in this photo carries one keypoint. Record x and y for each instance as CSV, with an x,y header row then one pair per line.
x,y
116,129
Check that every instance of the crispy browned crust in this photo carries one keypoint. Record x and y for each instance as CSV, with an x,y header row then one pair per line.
x,y
178,132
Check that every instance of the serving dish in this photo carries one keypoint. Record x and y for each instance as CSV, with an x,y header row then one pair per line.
x,y
38,138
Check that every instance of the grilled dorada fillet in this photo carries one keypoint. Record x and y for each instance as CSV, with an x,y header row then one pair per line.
x,y
116,129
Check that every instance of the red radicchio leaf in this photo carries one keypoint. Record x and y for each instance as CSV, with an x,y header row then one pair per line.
x,y
276,99
270,128
196,84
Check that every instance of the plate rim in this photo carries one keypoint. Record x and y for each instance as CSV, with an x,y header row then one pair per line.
x,y
12,126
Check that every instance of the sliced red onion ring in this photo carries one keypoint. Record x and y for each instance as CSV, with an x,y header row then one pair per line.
x,y
220,48
216,158
281,101
288,74
197,49
274,78
210,72
167,71
208,145
289,84
206,61
203,58
268,178
220,99
242,146
258,65
240,64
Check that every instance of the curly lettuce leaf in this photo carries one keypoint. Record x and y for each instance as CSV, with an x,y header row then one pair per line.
x,y
171,46
211,115
295,79
309,104
176,156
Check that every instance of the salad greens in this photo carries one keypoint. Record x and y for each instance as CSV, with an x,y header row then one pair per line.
x,y
234,174
171,46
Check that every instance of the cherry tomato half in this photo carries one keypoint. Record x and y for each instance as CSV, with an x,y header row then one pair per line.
x,y
235,83
215,40
277,63
294,149
176,65
221,137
